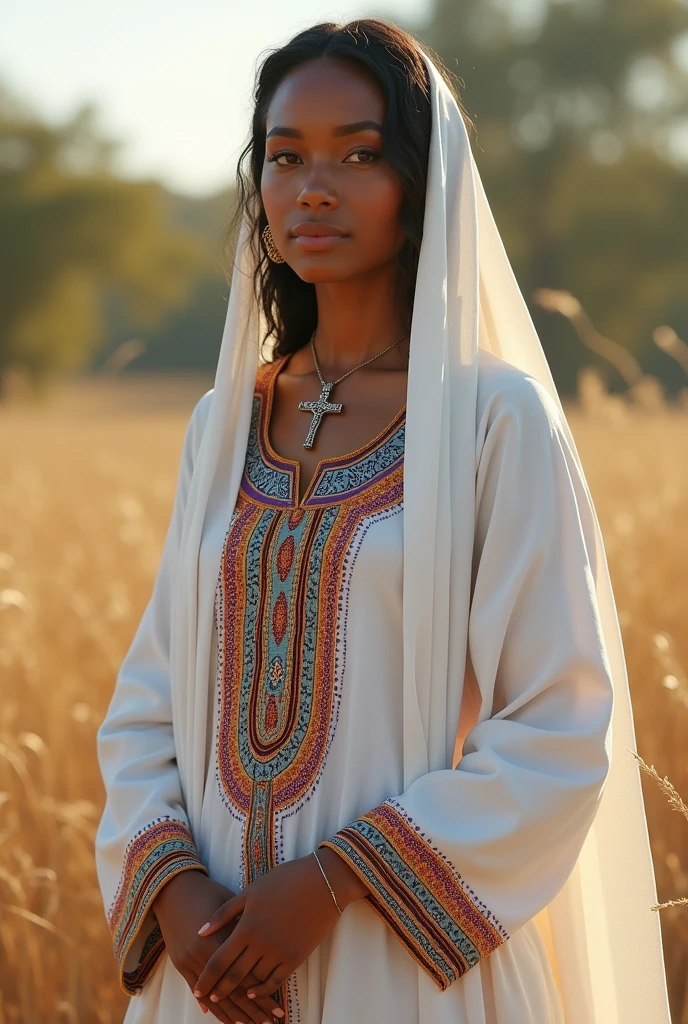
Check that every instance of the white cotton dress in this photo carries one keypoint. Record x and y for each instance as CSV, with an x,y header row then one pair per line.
x,y
306,738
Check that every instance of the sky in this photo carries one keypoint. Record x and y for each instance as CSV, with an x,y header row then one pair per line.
x,y
171,79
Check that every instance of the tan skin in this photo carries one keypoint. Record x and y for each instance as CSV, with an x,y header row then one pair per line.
x,y
181,907
258,937
338,180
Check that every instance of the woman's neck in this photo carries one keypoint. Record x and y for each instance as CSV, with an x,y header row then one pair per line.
x,y
356,320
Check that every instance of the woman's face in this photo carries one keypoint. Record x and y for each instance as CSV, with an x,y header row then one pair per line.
x,y
324,166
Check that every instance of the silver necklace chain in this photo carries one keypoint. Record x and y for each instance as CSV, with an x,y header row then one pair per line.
x,y
333,382
322,405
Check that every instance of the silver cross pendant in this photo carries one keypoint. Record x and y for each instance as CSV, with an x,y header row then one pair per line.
x,y
319,408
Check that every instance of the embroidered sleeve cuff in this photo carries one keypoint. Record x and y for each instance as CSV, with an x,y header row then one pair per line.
x,y
418,892
153,857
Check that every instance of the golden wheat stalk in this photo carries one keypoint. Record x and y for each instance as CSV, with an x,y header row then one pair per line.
x,y
676,802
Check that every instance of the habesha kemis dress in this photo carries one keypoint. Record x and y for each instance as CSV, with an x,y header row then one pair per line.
x,y
306,747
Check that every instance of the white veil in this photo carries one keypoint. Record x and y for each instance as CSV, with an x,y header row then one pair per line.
x,y
605,940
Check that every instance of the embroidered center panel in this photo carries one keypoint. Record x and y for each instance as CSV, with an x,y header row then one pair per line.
x,y
280,611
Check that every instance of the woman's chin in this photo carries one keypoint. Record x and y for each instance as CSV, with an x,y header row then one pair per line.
x,y
316,271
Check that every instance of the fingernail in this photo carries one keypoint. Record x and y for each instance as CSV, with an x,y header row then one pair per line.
x,y
204,928
197,992
216,999
204,1008
278,1013
251,995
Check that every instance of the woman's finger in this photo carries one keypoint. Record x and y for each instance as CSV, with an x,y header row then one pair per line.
x,y
238,1007
218,1012
273,981
229,1012
233,976
222,961
247,1009
224,914
267,1003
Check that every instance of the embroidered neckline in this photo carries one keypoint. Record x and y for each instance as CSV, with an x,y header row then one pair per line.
x,y
333,478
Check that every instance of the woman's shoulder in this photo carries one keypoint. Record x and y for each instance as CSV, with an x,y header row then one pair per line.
x,y
199,415
506,390
196,425
264,371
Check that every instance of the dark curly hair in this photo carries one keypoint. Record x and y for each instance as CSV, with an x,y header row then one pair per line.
x,y
392,55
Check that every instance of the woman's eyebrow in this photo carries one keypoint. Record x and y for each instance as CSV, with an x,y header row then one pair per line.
x,y
342,129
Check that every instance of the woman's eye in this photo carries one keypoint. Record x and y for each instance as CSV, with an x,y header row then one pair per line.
x,y
282,152
373,154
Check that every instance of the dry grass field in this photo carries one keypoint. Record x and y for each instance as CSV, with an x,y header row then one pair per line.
x,y
87,487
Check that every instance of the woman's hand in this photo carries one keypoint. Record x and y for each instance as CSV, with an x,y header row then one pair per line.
x,y
180,906
285,914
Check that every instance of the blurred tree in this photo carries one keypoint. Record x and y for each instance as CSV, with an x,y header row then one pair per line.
x,y
68,227
579,107
187,338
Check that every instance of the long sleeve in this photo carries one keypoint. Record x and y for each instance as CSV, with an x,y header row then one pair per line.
x,y
144,839
464,857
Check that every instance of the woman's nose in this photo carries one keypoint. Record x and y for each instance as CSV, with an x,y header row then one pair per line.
x,y
316,192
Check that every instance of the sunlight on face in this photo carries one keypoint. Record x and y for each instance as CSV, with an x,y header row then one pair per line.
x,y
324,163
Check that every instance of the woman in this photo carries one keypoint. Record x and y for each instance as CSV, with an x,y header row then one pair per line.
x,y
361,737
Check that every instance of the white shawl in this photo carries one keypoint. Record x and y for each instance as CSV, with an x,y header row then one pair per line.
x,y
605,941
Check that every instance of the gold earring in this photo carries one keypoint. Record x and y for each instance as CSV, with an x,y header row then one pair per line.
x,y
269,242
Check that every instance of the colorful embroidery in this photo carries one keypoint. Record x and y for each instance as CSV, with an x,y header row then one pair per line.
x,y
418,892
348,480
262,480
270,479
155,854
281,606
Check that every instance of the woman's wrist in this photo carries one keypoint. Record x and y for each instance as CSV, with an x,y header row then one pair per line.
x,y
178,886
347,885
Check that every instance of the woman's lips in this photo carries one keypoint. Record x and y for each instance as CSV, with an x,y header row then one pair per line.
x,y
315,243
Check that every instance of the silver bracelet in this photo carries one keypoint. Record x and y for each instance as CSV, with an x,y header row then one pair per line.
x,y
328,884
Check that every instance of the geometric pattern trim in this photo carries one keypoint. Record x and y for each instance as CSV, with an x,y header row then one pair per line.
x,y
418,892
155,854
